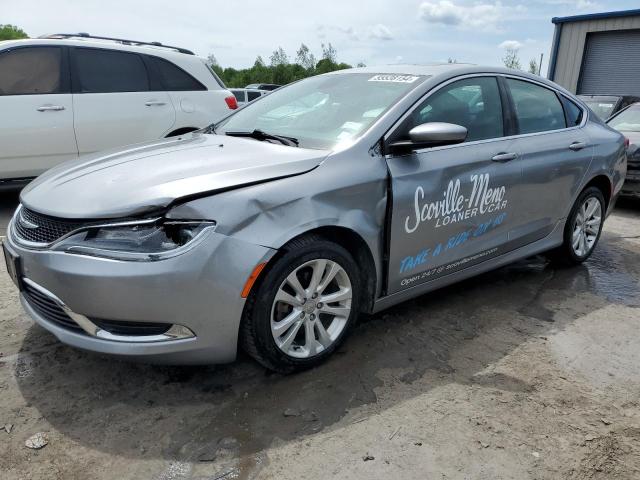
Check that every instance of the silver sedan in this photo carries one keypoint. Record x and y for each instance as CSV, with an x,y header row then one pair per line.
x,y
343,193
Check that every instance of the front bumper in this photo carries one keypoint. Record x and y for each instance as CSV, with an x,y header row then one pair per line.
x,y
197,293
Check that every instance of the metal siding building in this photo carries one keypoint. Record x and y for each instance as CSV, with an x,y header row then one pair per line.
x,y
597,53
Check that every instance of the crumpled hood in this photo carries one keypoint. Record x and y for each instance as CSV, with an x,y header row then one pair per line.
x,y
140,178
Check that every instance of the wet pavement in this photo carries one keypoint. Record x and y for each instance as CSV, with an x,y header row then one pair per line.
x,y
529,371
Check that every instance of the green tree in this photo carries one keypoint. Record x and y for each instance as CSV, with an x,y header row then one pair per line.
x,y
11,32
533,66
329,53
212,61
280,70
305,58
279,57
511,59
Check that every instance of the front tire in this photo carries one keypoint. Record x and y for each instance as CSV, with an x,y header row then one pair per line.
x,y
583,228
303,307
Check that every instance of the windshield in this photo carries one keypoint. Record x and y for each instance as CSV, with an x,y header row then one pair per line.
x,y
628,120
322,111
602,107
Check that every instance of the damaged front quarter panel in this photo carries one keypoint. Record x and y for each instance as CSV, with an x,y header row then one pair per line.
x,y
345,192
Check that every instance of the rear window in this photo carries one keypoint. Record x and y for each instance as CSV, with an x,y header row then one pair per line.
x,y
602,108
174,78
240,95
106,71
252,96
627,121
31,71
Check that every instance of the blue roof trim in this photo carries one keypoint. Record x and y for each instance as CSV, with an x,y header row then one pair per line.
x,y
596,16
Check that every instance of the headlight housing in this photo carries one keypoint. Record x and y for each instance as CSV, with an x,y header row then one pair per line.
x,y
146,240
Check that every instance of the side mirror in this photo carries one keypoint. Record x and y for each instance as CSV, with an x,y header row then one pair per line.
x,y
432,134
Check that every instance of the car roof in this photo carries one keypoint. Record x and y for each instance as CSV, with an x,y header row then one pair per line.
x,y
408,69
110,44
436,72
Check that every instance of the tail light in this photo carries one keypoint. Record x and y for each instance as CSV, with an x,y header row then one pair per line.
x,y
232,103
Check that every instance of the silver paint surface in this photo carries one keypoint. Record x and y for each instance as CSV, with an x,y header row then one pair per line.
x,y
263,195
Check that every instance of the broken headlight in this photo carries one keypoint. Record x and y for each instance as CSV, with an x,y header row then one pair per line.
x,y
146,240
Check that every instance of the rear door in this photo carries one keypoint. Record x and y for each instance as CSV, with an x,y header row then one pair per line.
x,y
452,205
114,100
36,120
555,154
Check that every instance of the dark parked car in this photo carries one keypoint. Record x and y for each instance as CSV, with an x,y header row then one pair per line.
x,y
265,86
605,106
628,122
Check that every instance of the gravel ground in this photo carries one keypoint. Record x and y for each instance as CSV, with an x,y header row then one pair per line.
x,y
527,372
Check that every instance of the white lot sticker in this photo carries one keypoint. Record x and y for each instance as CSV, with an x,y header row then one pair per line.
x,y
394,78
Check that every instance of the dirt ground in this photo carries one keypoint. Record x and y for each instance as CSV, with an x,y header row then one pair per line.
x,y
528,372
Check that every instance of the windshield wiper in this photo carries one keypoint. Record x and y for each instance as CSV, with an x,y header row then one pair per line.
x,y
262,135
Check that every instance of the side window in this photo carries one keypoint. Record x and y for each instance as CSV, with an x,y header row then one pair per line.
x,y
31,71
473,103
105,71
174,78
537,109
240,95
574,112
251,96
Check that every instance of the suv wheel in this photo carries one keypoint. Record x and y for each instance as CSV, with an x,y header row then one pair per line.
x,y
304,306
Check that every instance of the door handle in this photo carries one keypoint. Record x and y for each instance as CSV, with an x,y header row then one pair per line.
x,y
155,103
504,157
50,108
575,146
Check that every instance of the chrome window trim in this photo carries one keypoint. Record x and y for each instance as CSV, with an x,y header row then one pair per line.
x,y
175,332
418,102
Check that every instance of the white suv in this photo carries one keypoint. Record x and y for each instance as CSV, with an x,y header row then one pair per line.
x,y
67,95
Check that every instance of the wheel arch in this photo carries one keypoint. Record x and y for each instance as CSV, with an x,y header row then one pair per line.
x,y
604,184
351,241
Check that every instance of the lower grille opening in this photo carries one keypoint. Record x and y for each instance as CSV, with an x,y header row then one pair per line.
x,y
133,329
48,309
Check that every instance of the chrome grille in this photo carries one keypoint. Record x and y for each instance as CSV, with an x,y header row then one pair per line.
x,y
37,228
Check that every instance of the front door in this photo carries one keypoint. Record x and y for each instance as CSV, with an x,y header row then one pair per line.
x,y
115,102
36,120
452,204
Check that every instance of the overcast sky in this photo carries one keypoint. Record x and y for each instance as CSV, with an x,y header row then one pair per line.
x,y
369,31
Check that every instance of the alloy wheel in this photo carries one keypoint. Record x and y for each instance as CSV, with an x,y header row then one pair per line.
x,y
311,308
586,226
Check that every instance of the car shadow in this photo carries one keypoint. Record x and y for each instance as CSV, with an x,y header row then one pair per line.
x,y
203,413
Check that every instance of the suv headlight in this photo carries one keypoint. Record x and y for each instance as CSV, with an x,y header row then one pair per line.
x,y
145,240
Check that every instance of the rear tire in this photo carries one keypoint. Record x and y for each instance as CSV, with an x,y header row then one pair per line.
x,y
303,307
582,229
